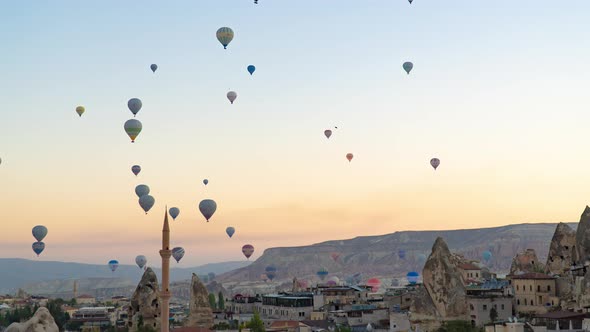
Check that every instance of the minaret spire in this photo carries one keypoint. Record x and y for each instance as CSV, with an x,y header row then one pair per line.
x,y
165,253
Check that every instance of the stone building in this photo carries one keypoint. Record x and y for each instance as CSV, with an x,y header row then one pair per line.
x,y
534,292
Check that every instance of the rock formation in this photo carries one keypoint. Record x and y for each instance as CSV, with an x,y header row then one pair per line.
x,y
443,284
200,314
561,250
583,238
145,303
525,262
42,321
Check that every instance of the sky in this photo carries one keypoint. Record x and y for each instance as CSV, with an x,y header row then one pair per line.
x,y
498,92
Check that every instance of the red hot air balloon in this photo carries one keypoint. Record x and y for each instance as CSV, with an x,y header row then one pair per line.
x,y
335,256
328,133
349,156
434,162
248,250
374,283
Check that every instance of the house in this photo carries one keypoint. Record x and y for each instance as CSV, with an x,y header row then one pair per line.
x,y
288,326
95,316
491,294
399,322
534,292
295,306
470,272
85,299
510,326
560,320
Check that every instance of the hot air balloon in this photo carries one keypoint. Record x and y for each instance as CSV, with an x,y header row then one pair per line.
x,y
271,272
174,212
205,182
133,128
413,277
134,105
38,247
142,190
113,264
410,1
434,162
374,283
207,208
80,110
251,69
135,169
402,254
333,281
349,156
225,36
335,256
408,67
248,250
178,253
487,255
322,273
140,261
230,231
39,232
328,133
154,67
232,95
146,202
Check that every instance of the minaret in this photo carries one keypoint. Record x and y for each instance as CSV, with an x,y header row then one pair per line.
x,y
165,253
75,288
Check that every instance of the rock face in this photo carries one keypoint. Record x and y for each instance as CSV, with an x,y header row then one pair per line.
x,y
145,303
525,262
583,238
42,321
443,282
561,250
201,314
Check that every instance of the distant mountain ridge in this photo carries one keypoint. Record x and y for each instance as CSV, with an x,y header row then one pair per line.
x,y
380,255
44,276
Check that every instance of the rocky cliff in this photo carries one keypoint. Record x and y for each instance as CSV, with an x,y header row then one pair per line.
x,y
145,303
200,314
526,261
42,321
561,250
583,238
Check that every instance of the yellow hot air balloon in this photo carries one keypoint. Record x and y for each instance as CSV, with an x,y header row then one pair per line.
x,y
225,36
80,110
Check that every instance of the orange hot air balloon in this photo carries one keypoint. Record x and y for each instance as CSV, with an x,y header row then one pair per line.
x,y
335,256
374,283
349,156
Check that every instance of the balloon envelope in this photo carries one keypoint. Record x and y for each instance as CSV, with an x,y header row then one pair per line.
x,y
413,277
178,253
230,231
207,208
134,105
487,255
225,35
140,261
232,95
80,110
133,128
248,250
328,133
374,283
174,212
335,256
113,264
251,69
146,202
205,182
402,254
349,156
408,67
434,162
142,190
271,272
38,247
322,273
39,232
154,67
135,169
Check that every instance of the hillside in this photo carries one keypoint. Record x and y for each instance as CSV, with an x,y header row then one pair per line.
x,y
378,255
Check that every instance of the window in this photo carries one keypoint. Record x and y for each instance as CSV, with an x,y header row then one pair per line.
x,y
471,307
518,302
502,306
476,275
524,301
531,288
517,287
548,288
485,307
538,288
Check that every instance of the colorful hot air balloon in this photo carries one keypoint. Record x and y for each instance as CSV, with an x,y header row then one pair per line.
x,y
146,202
349,156
39,232
328,133
154,67
232,95
38,247
134,105
322,273
335,256
413,277
80,110
402,254
140,261
408,67
135,169
248,250
207,208
178,253
487,255
142,190
434,162
113,264
205,182
333,281
230,231
374,283
271,272
225,36
251,69
174,212
133,128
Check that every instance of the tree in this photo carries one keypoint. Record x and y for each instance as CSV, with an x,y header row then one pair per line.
x,y
256,324
212,301
493,314
220,301
458,326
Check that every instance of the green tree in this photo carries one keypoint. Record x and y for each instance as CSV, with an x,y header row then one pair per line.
x,y
220,301
55,309
342,328
256,324
212,301
458,326
493,314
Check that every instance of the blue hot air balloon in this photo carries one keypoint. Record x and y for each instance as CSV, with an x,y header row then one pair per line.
x,y
251,69
38,247
207,208
142,190
178,253
154,67
39,232
271,272
113,264
174,212
402,254
205,182
230,231
487,255
413,277
322,273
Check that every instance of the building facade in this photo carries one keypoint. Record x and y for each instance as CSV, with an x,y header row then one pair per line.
x,y
534,292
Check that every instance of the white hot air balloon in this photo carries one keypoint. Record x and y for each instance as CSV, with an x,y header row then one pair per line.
x,y
140,261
